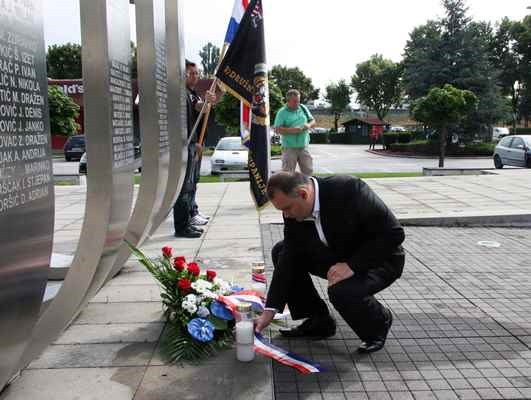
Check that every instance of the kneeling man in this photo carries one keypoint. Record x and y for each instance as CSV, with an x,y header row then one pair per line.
x,y
338,229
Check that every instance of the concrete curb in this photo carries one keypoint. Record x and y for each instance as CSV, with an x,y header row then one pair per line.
x,y
378,153
520,219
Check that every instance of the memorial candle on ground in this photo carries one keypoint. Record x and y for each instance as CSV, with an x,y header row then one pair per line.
x,y
258,278
244,333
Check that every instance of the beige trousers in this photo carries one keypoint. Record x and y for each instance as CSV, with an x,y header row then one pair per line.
x,y
292,155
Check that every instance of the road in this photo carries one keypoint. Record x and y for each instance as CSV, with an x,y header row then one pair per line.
x,y
329,158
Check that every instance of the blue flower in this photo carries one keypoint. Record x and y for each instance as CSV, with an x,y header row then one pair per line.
x,y
203,312
236,288
201,329
220,311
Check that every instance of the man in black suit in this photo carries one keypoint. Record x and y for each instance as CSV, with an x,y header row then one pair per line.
x,y
338,229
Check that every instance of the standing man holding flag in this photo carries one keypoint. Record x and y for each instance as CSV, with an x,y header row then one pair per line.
x,y
243,72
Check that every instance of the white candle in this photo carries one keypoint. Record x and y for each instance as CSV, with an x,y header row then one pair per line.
x,y
245,332
245,352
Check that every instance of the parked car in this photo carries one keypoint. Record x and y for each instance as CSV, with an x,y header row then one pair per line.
x,y
397,128
74,147
499,132
138,153
83,164
513,150
229,154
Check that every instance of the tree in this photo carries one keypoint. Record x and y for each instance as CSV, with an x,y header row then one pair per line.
x,y
338,95
63,112
455,50
64,61
441,107
209,59
293,78
522,34
227,111
378,85
421,63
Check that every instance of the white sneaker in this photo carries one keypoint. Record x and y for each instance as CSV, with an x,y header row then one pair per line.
x,y
207,217
198,220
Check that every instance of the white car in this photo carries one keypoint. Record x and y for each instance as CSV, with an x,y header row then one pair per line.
x,y
397,128
498,132
230,155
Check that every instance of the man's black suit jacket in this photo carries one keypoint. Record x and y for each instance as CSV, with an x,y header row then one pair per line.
x,y
359,228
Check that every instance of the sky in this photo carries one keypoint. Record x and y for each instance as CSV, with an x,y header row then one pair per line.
x,y
325,39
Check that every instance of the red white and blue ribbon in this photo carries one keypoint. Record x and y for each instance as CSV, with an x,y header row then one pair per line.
x,y
249,296
304,366
259,277
261,345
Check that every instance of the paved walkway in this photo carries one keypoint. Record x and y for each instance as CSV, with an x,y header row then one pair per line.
x,y
461,329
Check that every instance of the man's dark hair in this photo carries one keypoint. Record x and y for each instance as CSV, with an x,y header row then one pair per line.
x,y
286,182
189,64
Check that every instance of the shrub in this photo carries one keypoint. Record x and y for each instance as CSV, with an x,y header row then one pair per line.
x,y
405,137
522,131
424,147
319,138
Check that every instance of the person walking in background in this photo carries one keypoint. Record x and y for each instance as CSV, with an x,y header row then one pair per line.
x,y
182,209
374,136
293,122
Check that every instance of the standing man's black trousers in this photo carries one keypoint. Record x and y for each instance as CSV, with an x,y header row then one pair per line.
x,y
353,298
183,206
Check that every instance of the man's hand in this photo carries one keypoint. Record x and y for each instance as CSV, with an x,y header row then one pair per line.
x,y
198,151
338,272
210,97
264,320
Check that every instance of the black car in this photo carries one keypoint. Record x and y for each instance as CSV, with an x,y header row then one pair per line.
x,y
74,147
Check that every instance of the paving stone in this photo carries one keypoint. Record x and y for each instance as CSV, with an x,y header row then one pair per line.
x,y
95,355
76,383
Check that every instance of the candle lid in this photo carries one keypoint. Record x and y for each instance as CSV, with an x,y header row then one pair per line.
x,y
258,267
244,307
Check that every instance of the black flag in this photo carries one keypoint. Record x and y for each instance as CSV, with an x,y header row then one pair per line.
x,y
243,71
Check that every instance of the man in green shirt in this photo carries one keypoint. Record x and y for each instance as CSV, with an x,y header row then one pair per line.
x,y
293,122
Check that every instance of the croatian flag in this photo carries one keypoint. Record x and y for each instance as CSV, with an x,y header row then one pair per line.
x,y
245,111
237,14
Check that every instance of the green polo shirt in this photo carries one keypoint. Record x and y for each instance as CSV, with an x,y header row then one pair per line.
x,y
291,119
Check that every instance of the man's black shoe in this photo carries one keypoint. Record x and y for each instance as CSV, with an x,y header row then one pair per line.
x,y
370,346
319,327
188,233
196,228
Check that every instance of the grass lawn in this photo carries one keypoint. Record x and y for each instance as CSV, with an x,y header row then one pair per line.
x,y
363,175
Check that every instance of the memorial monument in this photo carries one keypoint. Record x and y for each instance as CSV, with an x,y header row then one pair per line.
x,y
26,175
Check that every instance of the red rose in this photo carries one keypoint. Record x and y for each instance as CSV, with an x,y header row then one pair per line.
x,y
184,285
180,258
179,264
210,275
166,251
193,268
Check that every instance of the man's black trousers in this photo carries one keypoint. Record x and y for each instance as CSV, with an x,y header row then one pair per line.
x,y
183,206
353,298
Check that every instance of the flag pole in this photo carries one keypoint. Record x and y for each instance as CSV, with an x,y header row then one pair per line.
x,y
209,106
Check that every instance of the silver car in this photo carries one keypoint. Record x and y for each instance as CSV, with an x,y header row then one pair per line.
x,y
513,150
